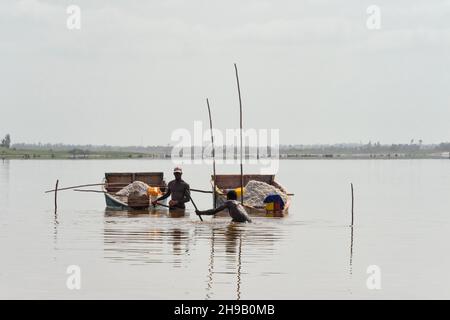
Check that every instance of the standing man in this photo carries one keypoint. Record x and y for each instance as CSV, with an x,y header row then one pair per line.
x,y
179,190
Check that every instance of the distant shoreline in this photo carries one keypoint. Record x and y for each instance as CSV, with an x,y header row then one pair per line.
x,y
39,155
289,153
343,151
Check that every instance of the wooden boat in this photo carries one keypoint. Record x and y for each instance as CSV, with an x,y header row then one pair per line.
x,y
233,181
114,181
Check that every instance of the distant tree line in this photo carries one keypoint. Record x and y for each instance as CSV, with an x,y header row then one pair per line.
x,y
6,142
86,149
344,148
369,148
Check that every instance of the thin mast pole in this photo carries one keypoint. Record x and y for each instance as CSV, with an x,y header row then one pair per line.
x,y
213,153
240,118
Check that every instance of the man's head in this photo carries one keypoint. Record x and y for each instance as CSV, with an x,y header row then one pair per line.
x,y
231,195
177,172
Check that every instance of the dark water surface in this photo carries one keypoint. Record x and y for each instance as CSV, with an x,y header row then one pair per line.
x,y
402,225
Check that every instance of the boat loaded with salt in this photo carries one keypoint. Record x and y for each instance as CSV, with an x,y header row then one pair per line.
x,y
133,190
261,193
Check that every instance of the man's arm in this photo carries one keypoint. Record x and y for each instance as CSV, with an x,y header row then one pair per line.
x,y
167,194
211,212
187,194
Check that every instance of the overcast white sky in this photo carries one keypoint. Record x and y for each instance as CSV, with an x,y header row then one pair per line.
x,y
137,70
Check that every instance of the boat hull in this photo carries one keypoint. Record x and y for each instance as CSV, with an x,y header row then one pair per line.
x,y
116,204
220,199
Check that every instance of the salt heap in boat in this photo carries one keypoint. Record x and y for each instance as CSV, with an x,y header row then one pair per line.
x,y
256,191
137,186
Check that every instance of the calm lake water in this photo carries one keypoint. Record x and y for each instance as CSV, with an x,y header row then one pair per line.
x,y
402,225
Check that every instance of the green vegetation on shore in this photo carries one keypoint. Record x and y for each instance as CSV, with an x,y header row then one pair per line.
x,y
285,152
412,150
15,153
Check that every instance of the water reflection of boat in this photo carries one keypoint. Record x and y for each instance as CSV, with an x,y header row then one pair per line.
x,y
233,181
158,211
141,238
114,181
143,243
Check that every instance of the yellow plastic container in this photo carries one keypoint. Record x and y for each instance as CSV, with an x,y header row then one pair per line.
x,y
270,206
153,191
239,191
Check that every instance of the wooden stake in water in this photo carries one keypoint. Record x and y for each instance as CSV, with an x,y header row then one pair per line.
x,y
56,196
353,201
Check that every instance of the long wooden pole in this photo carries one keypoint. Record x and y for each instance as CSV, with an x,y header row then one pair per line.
x,y
195,206
162,205
95,191
112,184
202,191
80,186
240,118
213,153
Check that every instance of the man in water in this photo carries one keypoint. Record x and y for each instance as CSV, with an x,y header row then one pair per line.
x,y
179,190
235,209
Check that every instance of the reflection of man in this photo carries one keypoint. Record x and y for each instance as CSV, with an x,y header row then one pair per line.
x,y
232,233
178,189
